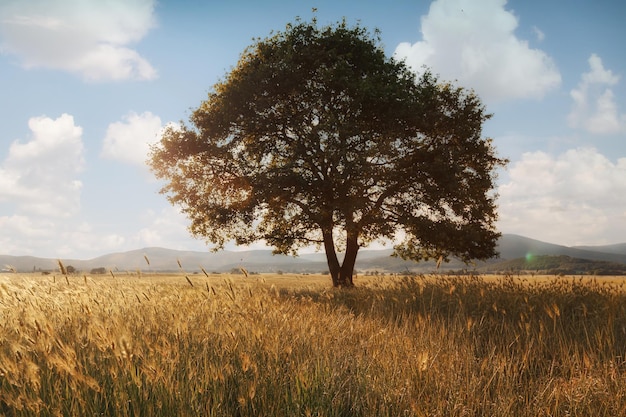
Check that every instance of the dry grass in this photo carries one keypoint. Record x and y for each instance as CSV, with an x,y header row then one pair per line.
x,y
288,346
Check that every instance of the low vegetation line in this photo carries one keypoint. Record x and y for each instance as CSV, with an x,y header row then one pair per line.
x,y
215,346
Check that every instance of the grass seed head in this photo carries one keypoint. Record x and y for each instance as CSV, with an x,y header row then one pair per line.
x,y
62,267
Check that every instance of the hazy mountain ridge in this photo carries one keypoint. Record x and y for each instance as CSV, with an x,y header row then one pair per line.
x,y
556,264
161,259
515,246
618,248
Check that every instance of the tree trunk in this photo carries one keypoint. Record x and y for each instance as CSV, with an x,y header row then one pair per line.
x,y
346,271
331,257
341,274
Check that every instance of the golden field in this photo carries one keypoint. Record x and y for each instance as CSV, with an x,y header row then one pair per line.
x,y
287,345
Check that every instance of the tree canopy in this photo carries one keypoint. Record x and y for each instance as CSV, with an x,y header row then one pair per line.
x,y
316,137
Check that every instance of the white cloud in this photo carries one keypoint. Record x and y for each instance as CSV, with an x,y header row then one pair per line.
x,y
167,228
474,42
41,176
577,197
40,194
129,140
594,108
86,37
539,33
40,186
51,238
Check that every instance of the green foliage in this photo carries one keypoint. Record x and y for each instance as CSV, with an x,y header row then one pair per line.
x,y
316,137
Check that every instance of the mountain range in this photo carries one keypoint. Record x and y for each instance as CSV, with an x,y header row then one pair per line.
x,y
153,259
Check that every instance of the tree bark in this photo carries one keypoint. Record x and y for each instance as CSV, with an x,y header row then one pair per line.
x,y
346,271
331,256
341,274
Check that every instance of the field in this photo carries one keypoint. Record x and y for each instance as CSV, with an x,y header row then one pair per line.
x,y
196,345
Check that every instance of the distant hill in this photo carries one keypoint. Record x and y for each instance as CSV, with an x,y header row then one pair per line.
x,y
511,247
618,248
515,246
556,264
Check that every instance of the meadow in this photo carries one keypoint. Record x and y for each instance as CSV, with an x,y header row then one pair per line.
x,y
217,345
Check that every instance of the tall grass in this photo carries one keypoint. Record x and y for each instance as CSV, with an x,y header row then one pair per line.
x,y
427,346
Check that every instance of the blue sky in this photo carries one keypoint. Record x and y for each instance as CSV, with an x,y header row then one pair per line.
x,y
86,85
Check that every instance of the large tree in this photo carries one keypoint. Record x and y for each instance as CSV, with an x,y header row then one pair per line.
x,y
316,137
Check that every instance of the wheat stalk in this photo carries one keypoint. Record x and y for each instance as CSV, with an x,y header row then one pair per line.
x,y
62,267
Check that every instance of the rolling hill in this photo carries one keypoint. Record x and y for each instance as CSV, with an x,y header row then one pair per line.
x,y
555,265
619,248
510,246
515,246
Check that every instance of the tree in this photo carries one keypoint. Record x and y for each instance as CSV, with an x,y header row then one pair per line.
x,y
317,138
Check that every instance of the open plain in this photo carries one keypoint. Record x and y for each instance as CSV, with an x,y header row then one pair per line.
x,y
289,345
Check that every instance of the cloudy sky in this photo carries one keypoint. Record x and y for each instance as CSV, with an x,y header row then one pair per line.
x,y
86,85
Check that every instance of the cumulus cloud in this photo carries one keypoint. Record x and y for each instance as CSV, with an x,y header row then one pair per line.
x,y
86,37
40,186
51,238
167,227
594,108
474,42
40,176
578,197
129,140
